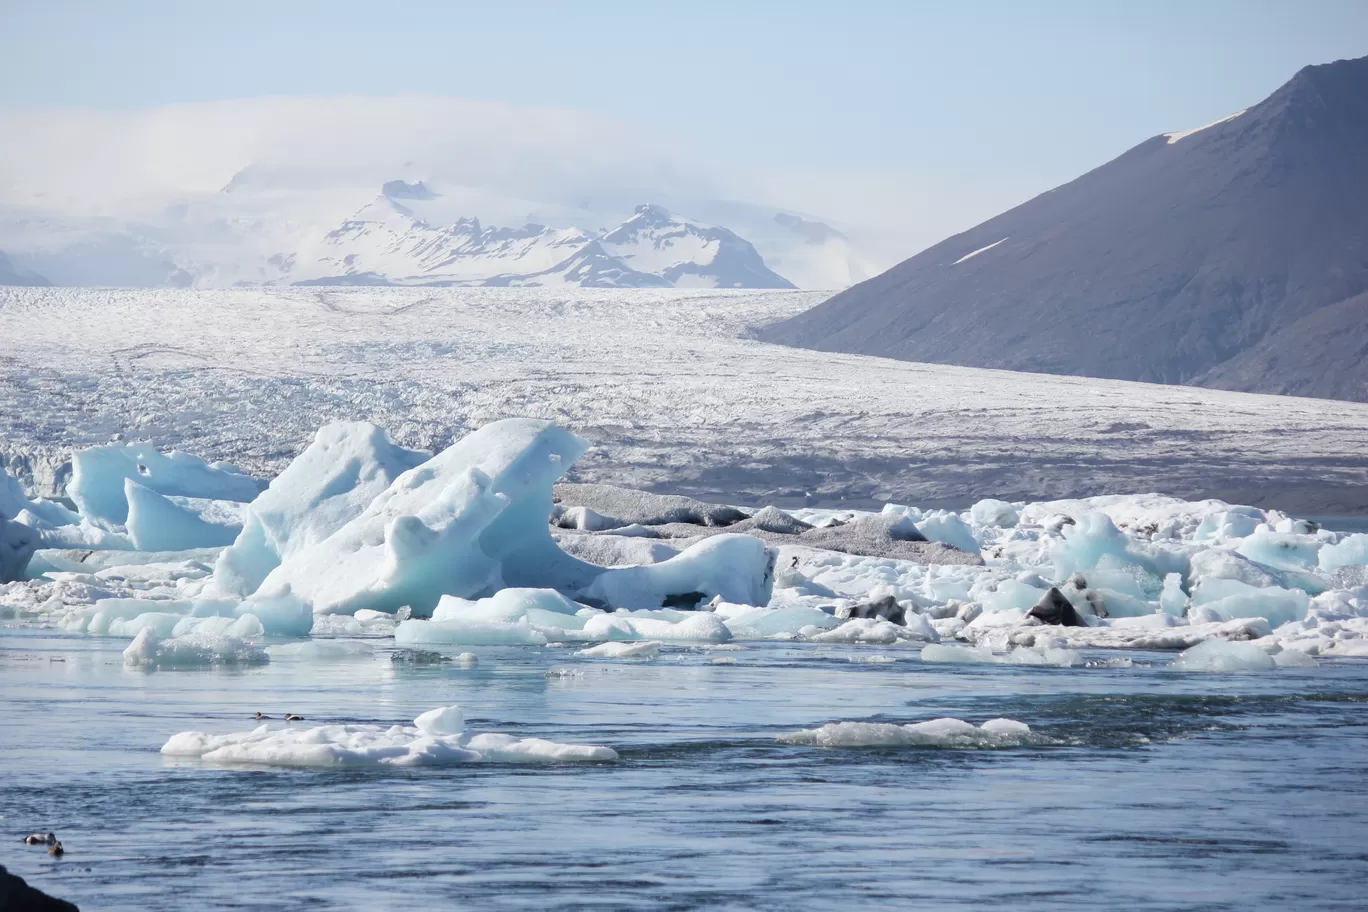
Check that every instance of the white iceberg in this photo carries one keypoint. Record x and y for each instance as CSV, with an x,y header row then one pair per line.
x,y
195,650
943,733
436,738
346,467
98,475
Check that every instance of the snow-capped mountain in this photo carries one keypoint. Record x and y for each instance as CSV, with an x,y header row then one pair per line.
x,y
283,190
393,241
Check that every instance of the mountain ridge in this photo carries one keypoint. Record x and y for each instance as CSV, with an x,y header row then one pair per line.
x,y
1161,265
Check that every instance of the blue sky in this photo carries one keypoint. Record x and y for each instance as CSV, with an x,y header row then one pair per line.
x,y
1012,94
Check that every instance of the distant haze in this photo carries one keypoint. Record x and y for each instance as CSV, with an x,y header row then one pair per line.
x,y
896,124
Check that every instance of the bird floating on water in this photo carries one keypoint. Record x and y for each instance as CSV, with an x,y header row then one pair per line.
x,y
56,850
260,716
41,839
291,717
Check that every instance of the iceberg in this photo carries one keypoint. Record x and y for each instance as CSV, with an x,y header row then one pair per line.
x,y
1223,656
155,523
943,733
193,650
346,467
98,475
468,522
436,738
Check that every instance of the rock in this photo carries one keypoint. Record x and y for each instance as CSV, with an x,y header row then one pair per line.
x,y
886,608
1053,608
18,896
17,544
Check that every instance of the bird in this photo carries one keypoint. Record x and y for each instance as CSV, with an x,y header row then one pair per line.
x,y
291,717
259,716
41,839
56,851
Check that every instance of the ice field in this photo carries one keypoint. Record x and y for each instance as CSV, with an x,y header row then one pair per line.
x,y
663,383
519,679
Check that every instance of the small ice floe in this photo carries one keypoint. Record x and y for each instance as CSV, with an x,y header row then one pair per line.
x,y
321,649
194,650
950,733
438,737
1235,658
1019,655
876,631
647,649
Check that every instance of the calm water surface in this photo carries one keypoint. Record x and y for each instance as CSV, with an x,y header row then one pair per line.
x,y
1157,791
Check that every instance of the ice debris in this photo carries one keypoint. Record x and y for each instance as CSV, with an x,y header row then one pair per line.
x,y
438,737
942,733
194,650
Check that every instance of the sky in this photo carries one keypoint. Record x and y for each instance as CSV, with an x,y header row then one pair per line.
x,y
929,112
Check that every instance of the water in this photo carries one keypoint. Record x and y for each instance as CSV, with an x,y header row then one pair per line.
x,y
1155,791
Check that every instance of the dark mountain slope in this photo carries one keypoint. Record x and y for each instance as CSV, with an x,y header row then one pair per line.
x,y
1161,265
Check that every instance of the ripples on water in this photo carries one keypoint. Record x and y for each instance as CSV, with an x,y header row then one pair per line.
x,y
1153,790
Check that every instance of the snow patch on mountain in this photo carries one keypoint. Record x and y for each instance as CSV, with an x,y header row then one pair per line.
x,y
390,242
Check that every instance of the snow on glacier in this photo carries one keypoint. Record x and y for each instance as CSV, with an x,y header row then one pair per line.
x,y
659,381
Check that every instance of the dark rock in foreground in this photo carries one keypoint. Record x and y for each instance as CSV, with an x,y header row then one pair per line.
x,y
17,896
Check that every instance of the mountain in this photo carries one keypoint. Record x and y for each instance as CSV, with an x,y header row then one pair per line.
x,y
389,243
1232,256
11,275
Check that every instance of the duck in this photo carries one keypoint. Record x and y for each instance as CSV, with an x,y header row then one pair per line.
x,y
260,716
41,839
56,851
291,717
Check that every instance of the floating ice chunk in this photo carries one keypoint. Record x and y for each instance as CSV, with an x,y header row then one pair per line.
x,y
1223,656
508,749
18,543
438,739
1284,551
1020,655
1351,551
347,466
997,513
647,649
1173,600
1228,525
1292,658
1228,599
506,605
321,649
945,733
193,650
467,633
739,568
244,627
674,626
156,524
472,519
98,475
750,622
948,528
876,631
444,720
